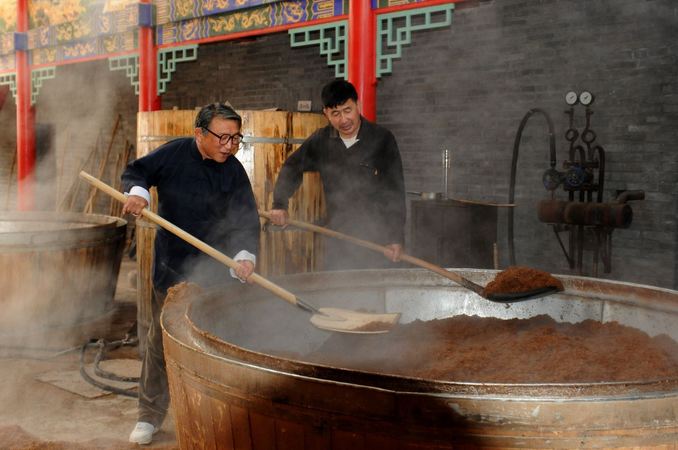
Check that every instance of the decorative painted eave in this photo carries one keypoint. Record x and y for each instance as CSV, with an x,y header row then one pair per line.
x,y
91,36
109,29
85,28
7,43
7,51
177,10
8,16
241,17
96,34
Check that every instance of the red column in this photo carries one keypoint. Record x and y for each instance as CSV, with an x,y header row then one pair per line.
x,y
25,118
148,67
362,54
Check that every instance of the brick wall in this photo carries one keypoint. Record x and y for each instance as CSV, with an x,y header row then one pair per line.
x,y
467,87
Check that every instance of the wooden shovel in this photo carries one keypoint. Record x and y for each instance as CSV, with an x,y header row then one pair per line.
x,y
503,297
333,319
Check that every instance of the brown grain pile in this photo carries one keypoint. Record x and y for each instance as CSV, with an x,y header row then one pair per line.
x,y
521,279
536,350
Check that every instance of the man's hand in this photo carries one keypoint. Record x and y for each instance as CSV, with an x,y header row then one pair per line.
x,y
134,205
393,252
244,270
279,217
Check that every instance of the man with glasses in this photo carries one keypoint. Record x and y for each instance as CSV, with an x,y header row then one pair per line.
x,y
205,191
362,176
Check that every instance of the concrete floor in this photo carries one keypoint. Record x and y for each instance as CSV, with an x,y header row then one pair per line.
x,y
46,404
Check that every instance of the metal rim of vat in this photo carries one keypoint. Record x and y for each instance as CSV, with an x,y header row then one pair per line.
x,y
95,227
605,290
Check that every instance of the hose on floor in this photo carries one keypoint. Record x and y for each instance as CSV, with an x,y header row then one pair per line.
x,y
102,347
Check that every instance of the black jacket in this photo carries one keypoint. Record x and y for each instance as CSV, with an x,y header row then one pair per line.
x,y
363,184
211,201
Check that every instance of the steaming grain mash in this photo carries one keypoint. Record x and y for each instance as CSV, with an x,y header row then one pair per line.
x,y
536,350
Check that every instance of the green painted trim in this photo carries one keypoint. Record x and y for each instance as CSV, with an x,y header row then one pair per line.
x,y
37,78
9,79
167,62
331,38
128,63
393,34
167,65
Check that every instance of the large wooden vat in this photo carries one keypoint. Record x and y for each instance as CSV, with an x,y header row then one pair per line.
x,y
229,391
270,136
58,277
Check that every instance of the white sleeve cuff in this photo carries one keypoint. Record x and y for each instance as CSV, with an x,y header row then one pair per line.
x,y
141,192
243,254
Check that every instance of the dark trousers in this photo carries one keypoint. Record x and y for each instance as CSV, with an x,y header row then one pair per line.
x,y
153,386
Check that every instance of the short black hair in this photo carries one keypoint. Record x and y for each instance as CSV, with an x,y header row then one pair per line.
x,y
208,112
338,92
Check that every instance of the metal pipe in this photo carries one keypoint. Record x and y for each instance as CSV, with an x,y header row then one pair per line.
x,y
630,195
514,165
615,215
446,168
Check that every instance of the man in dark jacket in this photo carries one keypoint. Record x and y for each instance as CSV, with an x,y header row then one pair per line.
x,y
362,176
205,191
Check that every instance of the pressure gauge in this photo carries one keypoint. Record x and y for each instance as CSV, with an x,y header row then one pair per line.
x,y
586,98
571,98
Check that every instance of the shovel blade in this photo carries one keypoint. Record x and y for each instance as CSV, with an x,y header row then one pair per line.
x,y
513,297
347,321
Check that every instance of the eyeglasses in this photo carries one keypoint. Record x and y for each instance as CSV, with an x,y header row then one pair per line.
x,y
225,138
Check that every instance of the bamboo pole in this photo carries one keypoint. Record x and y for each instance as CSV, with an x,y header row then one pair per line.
x,y
121,163
89,204
72,193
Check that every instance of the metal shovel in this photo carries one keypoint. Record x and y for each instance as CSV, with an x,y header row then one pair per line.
x,y
503,297
333,319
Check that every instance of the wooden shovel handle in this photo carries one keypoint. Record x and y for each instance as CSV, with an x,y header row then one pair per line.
x,y
200,245
380,248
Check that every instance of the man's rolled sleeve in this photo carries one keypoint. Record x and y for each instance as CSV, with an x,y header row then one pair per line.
x,y
243,255
140,192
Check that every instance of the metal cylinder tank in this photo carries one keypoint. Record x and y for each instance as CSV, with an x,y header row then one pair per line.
x,y
58,277
617,215
231,388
